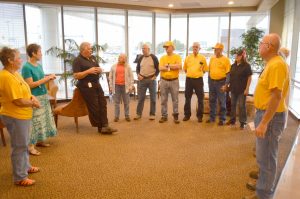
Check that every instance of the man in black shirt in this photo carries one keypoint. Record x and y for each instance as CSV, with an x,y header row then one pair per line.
x,y
87,71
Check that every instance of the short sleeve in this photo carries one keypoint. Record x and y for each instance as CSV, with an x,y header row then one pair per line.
x,y
277,76
161,61
26,72
179,61
12,90
227,65
210,62
248,71
205,67
185,63
76,66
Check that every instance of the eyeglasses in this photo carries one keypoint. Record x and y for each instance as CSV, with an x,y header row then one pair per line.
x,y
266,43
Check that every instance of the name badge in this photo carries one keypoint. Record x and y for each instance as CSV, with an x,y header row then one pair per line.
x,y
90,85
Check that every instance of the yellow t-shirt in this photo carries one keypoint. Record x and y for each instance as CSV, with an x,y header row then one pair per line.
x,y
219,67
165,60
195,66
12,87
275,75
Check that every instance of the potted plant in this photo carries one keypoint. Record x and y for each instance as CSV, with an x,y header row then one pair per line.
x,y
250,42
68,55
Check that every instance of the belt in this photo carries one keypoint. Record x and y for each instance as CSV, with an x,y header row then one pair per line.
x,y
169,79
194,77
219,80
148,77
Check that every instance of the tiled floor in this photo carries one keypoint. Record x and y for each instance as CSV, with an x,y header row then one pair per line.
x,y
288,186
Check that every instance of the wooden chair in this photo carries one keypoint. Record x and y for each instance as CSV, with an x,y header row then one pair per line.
x,y
52,89
76,108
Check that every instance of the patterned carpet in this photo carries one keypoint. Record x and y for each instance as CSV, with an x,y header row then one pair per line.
x,y
144,160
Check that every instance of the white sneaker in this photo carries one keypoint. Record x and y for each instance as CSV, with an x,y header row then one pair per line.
x,y
152,117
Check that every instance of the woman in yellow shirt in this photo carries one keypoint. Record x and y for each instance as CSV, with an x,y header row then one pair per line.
x,y
16,112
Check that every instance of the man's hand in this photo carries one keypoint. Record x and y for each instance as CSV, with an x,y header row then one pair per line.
x,y
246,92
140,77
94,70
261,130
153,78
224,88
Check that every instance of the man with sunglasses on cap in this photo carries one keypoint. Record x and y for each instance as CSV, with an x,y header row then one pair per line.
x,y
219,68
169,66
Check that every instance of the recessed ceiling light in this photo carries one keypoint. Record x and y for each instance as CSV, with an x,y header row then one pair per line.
x,y
230,2
171,5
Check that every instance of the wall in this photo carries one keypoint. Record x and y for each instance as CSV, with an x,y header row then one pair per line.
x,y
276,17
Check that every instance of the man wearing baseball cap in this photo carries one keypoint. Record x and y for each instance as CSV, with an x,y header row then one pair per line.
x,y
169,65
219,68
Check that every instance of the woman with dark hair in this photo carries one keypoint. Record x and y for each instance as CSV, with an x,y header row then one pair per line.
x,y
16,112
240,79
43,125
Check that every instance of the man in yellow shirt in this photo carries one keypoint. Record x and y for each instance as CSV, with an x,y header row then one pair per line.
x,y
269,101
195,67
219,68
169,65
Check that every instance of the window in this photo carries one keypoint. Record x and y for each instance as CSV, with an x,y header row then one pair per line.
x,y
38,18
140,31
111,35
179,33
162,30
295,83
12,27
208,29
79,24
241,22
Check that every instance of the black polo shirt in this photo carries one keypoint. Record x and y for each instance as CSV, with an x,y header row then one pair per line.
x,y
81,64
239,76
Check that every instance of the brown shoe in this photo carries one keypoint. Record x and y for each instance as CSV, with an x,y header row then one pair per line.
x,y
163,119
127,119
251,185
108,130
254,174
186,118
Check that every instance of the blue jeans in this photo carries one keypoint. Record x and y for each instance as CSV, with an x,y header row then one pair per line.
x,y
266,154
215,94
120,92
167,87
143,85
241,100
19,139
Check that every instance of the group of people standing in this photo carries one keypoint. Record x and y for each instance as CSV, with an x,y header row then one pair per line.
x,y
26,112
25,109
222,77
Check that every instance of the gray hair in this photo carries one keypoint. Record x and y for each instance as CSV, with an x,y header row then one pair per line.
x,y
83,45
146,45
196,44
